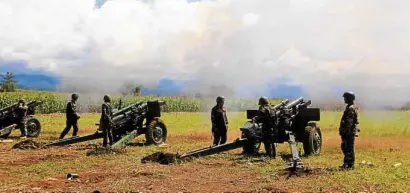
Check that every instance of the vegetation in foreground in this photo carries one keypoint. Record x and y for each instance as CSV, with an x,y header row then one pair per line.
x,y
383,142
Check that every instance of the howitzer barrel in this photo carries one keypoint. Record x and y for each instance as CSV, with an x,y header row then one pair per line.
x,y
127,108
34,103
295,102
8,107
309,102
281,104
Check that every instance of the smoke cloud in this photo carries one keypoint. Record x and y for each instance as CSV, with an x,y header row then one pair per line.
x,y
326,47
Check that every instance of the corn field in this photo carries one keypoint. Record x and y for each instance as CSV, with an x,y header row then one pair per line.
x,y
54,102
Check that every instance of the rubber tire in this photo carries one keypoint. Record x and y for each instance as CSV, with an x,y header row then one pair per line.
x,y
149,135
251,148
37,130
311,135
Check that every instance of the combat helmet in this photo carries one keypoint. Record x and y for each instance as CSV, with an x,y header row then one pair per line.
x,y
107,98
349,95
220,99
74,96
263,101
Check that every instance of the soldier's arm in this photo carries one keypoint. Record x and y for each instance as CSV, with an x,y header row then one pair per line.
x,y
73,109
213,119
226,118
104,112
106,116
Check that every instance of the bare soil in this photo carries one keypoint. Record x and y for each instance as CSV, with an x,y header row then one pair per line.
x,y
157,169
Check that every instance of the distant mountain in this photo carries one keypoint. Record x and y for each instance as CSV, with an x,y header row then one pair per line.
x,y
165,87
37,82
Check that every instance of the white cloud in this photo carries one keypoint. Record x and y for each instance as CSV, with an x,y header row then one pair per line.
x,y
362,45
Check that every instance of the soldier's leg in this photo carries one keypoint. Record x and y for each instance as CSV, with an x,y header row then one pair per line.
x,y
217,137
268,148
66,129
350,157
223,137
24,123
21,126
109,133
105,136
75,128
343,147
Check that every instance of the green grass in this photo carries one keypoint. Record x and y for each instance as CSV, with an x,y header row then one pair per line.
x,y
383,141
372,124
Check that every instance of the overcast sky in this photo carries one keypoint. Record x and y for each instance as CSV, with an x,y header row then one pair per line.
x,y
324,47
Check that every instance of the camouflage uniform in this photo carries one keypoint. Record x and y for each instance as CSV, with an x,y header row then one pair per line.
x,y
21,112
267,125
71,117
348,130
219,123
106,121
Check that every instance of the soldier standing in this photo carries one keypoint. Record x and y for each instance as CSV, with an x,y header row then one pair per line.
x,y
219,122
267,126
71,117
106,120
348,129
21,112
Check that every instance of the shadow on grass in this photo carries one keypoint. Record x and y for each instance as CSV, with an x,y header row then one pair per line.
x,y
137,144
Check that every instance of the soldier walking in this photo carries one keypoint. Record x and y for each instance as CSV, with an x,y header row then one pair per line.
x,y
106,120
71,117
267,126
21,112
348,130
219,122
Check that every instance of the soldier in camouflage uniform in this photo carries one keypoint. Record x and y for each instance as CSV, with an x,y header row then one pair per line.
x,y
348,130
219,122
267,125
71,117
106,120
21,112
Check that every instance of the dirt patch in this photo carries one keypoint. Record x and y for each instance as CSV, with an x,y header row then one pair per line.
x,y
162,158
303,172
104,151
27,144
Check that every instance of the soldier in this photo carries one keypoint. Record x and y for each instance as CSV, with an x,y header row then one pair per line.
x,y
71,117
219,122
106,120
267,126
348,129
21,112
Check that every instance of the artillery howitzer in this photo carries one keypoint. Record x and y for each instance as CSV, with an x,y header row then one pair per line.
x,y
9,118
291,123
128,123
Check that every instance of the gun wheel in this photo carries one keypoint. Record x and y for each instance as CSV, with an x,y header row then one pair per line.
x,y
312,143
33,127
156,132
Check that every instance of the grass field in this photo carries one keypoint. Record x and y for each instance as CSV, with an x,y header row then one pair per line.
x,y
384,141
